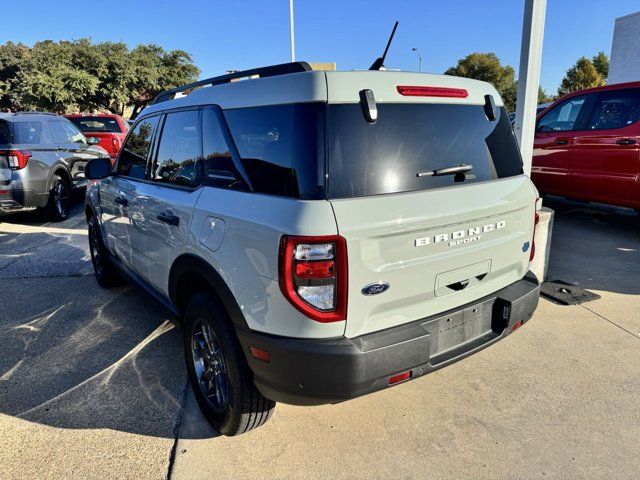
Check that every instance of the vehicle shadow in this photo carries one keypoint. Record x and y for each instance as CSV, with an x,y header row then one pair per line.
x,y
80,357
594,246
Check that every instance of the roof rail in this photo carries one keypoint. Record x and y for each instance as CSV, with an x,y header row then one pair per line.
x,y
270,71
34,112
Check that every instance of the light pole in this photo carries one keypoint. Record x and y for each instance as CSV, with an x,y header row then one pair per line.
x,y
293,46
419,58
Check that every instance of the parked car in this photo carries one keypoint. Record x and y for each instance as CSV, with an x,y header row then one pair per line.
x,y
539,108
586,146
42,159
109,129
320,235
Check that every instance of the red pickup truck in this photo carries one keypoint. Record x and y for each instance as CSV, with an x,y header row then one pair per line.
x,y
108,128
587,146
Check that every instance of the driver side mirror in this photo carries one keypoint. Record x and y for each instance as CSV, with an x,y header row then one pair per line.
x,y
97,168
93,140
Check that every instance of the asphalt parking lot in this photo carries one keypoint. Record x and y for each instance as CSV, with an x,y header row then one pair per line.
x,y
92,382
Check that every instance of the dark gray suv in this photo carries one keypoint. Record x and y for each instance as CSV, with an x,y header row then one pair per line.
x,y
42,159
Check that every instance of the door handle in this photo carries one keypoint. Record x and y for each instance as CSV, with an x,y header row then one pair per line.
x,y
169,218
626,141
561,141
121,201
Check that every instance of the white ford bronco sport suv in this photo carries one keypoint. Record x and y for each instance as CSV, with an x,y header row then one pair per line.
x,y
319,235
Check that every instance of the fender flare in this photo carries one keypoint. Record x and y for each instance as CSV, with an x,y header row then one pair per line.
x,y
189,263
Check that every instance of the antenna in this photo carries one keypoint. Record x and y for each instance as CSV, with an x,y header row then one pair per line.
x,y
379,63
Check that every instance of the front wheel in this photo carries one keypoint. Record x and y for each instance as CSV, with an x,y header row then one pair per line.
x,y
221,379
106,273
57,208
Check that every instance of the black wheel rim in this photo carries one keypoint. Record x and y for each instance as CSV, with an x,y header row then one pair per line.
x,y
209,365
61,199
96,254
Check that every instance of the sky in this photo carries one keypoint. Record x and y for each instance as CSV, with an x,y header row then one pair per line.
x,y
239,34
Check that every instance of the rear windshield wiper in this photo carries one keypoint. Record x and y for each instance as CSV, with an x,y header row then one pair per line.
x,y
462,168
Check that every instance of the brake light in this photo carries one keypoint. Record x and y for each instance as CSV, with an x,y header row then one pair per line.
x,y
415,91
536,220
115,143
16,159
313,275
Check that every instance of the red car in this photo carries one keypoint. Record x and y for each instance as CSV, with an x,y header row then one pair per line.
x,y
587,146
109,129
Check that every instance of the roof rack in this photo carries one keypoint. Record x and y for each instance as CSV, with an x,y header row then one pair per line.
x,y
270,71
33,112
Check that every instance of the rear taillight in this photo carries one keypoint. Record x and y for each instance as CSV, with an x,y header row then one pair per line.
x,y
536,220
417,91
16,159
115,143
313,275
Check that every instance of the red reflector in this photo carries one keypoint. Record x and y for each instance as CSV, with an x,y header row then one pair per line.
x,y
409,91
260,354
400,377
322,269
516,325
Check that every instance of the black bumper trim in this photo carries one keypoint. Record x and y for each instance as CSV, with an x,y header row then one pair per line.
x,y
315,372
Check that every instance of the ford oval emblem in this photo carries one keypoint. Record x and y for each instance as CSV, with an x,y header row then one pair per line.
x,y
375,288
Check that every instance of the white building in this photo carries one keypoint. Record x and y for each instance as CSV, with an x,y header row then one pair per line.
x,y
625,50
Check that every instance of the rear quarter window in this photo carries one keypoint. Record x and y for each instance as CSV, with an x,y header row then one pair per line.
x,y
5,133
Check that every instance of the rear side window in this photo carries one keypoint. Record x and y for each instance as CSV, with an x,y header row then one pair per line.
x,y
219,170
5,133
281,147
615,109
27,133
407,139
96,124
63,131
132,161
179,150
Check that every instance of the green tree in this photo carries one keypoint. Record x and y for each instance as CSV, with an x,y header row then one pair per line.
x,y
601,62
582,75
53,78
487,67
156,70
12,59
113,93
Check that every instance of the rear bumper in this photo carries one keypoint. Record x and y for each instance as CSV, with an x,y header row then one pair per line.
x,y
14,199
314,372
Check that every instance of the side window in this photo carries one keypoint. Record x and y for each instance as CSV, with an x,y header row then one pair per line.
x,y
615,109
218,164
27,133
5,133
73,134
132,161
179,150
57,132
562,117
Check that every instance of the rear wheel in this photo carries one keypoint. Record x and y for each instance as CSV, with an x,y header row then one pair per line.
x,y
57,208
222,381
106,273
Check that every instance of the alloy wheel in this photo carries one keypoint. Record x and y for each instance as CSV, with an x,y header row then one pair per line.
x,y
210,366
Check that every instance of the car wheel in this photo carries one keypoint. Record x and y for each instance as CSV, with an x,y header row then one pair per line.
x,y
106,273
57,208
221,379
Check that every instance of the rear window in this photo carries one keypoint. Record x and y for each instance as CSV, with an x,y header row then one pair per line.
x,y
96,124
385,157
27,132
281,147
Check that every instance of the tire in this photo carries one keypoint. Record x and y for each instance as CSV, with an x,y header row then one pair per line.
x,y
106,273
59,203
218,371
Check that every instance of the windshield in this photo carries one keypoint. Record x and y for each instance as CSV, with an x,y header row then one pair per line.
x,y
96,124
408,139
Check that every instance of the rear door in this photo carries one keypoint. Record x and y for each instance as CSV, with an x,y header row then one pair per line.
x,y
552,146
163,205
438,241
605,159
117,192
